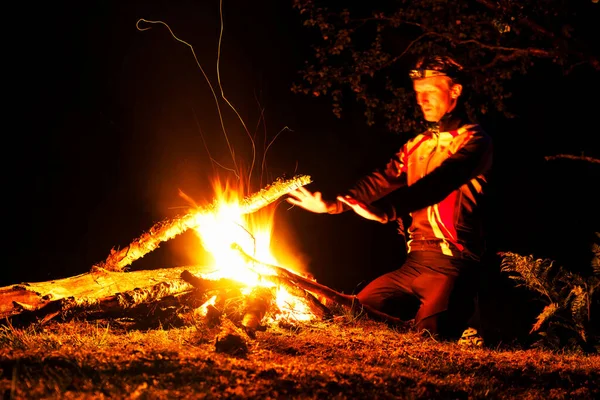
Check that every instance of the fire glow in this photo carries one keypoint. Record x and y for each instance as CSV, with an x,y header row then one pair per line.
x,y
227,230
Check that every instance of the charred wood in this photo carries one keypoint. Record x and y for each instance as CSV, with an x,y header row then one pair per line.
x,y
257,303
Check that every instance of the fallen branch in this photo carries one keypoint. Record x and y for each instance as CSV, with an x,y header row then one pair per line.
x,y
315,305
343,299
305,283
166,230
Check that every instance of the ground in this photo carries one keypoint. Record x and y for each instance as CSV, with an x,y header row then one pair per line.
x,y
346,358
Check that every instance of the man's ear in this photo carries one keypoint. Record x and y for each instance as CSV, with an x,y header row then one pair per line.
x,y
456,90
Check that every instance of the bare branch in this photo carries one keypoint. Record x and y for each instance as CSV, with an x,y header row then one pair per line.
x,y
573,157
543,31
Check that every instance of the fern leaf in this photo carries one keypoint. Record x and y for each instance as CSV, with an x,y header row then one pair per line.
x,y
579,305
580,310
527,271
546,313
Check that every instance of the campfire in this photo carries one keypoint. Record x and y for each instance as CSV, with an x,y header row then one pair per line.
x,y
244,284
240,246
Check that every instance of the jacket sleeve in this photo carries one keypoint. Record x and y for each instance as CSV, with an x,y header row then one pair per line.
x,y
473,159
378,183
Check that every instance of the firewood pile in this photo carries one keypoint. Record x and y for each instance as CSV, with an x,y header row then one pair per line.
x,y
182,295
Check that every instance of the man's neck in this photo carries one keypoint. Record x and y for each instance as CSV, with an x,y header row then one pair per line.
x,y
450,121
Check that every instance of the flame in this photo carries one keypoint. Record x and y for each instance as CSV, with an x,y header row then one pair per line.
x,y
226,226
203,309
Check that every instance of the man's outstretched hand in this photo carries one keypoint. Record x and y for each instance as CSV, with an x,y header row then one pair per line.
x,y
364,210
314,202
309,201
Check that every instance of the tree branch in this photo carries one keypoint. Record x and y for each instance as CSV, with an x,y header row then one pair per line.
x,y
572,157
543,31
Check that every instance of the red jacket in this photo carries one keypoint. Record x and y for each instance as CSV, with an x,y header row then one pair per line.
x,y
439,179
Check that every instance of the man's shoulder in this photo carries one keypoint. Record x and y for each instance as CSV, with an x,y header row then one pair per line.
x,y
473,130
470,129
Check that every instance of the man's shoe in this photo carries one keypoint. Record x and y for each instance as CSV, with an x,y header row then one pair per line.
x,y
470,337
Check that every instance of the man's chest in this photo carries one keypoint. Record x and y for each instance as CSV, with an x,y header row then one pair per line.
x,y
430,153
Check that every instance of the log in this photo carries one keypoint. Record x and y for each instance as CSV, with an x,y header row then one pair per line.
x,y
256,305
117,260
312,286
315,305
204,285
301,281
250,320
226,303
110,306
93,285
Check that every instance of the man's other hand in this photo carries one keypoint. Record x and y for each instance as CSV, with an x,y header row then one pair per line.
x,y
364,210
310,201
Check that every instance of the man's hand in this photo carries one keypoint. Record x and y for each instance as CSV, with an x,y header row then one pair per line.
x,y
364,210
309,201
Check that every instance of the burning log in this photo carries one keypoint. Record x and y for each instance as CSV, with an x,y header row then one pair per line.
x,y
314,287
227,289
301,281
315,305
208,284
166,230
225,303
257,304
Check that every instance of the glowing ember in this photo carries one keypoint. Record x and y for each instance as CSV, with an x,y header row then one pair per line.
x,y
227,226
203,309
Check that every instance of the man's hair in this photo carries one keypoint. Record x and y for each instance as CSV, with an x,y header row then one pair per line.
x,y
435,66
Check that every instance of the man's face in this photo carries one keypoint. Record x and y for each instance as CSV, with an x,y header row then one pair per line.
x,y
436,96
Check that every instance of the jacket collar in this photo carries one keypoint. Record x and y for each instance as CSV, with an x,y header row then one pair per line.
x,y
449,122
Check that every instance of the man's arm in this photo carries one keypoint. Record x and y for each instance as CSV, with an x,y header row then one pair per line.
x,y
364,210
470,161
374,185
366,190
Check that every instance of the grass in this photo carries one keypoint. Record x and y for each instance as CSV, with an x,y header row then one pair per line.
x,y
347,358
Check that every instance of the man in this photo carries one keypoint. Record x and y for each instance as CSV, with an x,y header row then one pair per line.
x,y
438,178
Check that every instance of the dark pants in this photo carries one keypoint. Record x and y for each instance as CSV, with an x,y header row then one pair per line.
x,y
436,290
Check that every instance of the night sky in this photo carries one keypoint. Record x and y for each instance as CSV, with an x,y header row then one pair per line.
x,y
105,124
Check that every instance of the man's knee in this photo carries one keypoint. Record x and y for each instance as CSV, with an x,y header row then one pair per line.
x,y
403,306
370,299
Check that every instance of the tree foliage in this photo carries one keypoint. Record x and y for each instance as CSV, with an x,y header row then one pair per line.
x,y
362,52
